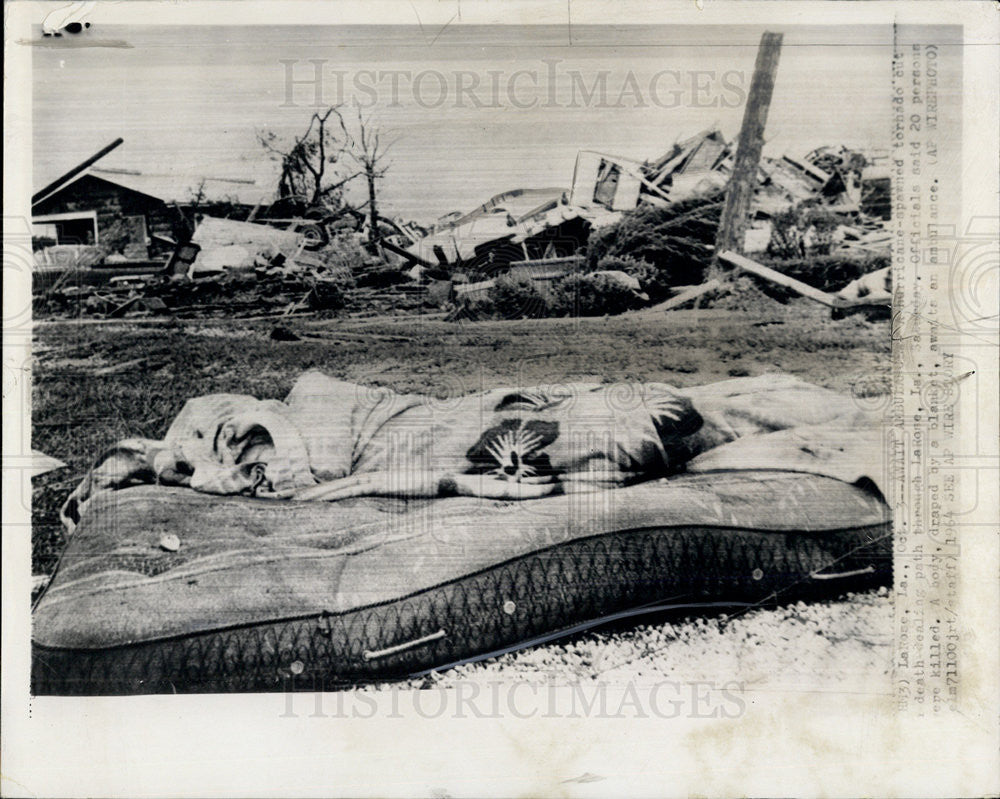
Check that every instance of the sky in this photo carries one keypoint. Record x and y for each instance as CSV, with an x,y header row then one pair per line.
x,y
470,111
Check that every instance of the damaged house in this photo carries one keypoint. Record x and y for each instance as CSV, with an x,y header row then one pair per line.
x,y
81,206
528,225
145,214
517,225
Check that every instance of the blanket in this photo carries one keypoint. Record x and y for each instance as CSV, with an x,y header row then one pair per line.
x,y
600,435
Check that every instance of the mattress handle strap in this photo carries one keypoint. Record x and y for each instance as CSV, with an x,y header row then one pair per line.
x,y
856,573
370,654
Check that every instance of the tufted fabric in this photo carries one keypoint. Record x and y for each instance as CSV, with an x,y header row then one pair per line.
x,y
258,585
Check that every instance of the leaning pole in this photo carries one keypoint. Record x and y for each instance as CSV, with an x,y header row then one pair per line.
x,y
742,182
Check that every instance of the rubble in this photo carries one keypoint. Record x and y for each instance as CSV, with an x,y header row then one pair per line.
x,y
236,293
277,267
228,244
516,225
505,229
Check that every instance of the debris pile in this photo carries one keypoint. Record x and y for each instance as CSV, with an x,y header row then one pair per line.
x,y
227,244
238,269
236,294
653,221
665,214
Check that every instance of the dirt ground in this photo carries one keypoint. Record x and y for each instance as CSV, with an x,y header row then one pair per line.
x,y
96,383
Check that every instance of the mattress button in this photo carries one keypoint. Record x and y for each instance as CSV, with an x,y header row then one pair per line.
x,y
509,607
757,574
297,667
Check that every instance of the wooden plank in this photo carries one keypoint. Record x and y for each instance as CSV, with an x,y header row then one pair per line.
x,y
463,289
739,194
813,293
567,259
676,301
409,256
57,184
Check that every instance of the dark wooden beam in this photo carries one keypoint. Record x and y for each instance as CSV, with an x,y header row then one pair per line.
x,y
742,182
55,184
409,256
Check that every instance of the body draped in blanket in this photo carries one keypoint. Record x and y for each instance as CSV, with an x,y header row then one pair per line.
x,y
331,439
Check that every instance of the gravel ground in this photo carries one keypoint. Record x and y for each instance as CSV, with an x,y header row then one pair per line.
x,y
843,645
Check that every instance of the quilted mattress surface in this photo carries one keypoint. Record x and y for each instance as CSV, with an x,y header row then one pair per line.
x,y
259,591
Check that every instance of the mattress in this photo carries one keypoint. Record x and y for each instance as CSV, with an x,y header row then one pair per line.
x,y
166,590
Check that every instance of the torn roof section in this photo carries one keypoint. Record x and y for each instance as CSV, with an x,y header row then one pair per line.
x,y
182,189
168,186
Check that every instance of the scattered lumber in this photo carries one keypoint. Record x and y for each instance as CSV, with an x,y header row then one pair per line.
x,y
473,289
688,294
42,463
804,289
545,268
124,366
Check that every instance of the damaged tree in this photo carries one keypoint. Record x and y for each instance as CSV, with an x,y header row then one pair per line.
x,y
307,165
369,152
314,172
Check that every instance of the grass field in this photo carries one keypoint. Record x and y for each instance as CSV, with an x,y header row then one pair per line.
x,y
96,383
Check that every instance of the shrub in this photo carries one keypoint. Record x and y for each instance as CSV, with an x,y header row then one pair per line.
x,y
675,240
591,295
582,294
653,280
518,299
786,237
344,252
116,236
473,310
822,223
343,256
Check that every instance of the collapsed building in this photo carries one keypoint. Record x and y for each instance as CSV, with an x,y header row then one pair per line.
x,y
527,225
537,234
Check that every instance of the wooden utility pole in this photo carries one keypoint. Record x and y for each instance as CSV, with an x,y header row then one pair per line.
x,y
742,182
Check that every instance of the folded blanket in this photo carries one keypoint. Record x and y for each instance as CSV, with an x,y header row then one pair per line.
x,y
609,435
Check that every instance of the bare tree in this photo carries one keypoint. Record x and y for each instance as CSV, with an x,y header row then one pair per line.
x,y
368,150
328,156
312,167
188,213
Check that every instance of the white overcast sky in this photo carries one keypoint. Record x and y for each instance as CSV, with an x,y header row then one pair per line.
x,y
189,99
